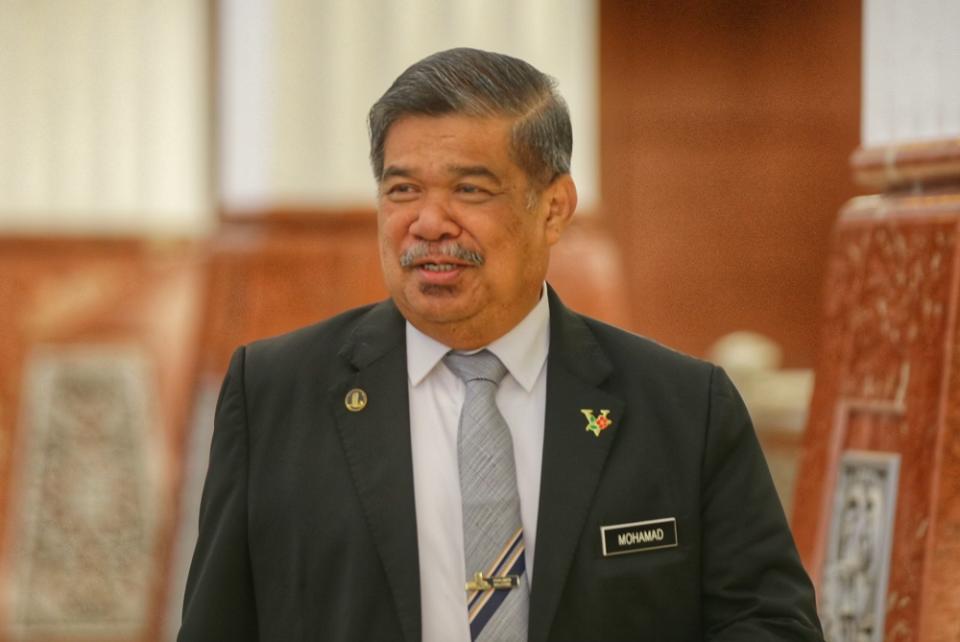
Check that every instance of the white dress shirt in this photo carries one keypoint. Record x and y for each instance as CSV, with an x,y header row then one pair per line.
x,y
436,396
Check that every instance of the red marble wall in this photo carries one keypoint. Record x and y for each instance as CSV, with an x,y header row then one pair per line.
x,y
108,294
726,129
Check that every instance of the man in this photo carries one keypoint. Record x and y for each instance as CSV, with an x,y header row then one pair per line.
x,y
366,483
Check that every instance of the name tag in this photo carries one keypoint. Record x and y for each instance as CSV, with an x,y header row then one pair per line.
x,y
637,537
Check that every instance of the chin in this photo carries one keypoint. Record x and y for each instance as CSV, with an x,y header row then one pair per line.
x,y
437,304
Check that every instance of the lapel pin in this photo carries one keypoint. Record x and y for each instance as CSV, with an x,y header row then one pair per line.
x,y
595,424
356,400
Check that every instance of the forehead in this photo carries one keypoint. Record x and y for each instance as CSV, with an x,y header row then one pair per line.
x,y
449,139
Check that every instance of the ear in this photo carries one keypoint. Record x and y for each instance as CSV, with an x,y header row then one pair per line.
x,y
561,202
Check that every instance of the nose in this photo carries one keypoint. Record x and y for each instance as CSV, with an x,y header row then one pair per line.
x,y
434,221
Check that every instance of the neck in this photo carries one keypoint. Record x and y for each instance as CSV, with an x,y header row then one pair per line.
x,y
475,332
464,335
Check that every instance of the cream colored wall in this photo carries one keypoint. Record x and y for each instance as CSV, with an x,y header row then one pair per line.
x,y
105,105
911,71
104,122
300,75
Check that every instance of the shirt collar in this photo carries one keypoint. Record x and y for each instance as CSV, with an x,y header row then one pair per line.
x,y
523,350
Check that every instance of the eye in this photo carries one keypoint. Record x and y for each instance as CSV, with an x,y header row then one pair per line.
x,y
400,192
472,193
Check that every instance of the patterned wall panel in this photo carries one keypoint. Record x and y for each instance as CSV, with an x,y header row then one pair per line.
x,y
857,569
85,531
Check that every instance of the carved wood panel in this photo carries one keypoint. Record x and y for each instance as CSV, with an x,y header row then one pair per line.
x,y
889,315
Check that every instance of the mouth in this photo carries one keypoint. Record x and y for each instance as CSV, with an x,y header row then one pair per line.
x,y
438,267
439,271
439,264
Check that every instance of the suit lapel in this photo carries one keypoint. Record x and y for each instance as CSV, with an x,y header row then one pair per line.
x,y
376,441
573,457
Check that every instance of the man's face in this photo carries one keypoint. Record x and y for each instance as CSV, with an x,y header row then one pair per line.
x,y
464,241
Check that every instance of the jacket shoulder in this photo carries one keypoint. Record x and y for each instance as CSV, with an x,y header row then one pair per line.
x,y
633,352
323,338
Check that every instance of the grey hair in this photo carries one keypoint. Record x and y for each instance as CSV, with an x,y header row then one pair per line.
x,y
479,83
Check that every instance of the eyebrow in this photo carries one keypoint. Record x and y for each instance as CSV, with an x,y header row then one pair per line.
x,y
460,171
395,172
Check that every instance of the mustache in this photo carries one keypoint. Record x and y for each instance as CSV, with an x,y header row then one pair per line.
x,y
452,249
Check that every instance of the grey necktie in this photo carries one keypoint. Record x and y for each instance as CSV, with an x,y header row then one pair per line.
x,y
497,602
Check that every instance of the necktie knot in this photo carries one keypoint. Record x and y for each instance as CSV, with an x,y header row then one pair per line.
x,y
480,365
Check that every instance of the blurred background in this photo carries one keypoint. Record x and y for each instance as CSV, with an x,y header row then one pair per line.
x,y
178,177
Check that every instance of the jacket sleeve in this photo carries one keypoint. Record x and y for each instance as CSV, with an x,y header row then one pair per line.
x,y
219,602
753,584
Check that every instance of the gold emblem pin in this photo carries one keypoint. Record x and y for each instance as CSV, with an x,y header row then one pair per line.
x,y
356,400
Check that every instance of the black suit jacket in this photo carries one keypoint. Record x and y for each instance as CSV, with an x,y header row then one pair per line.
x,y
308,525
